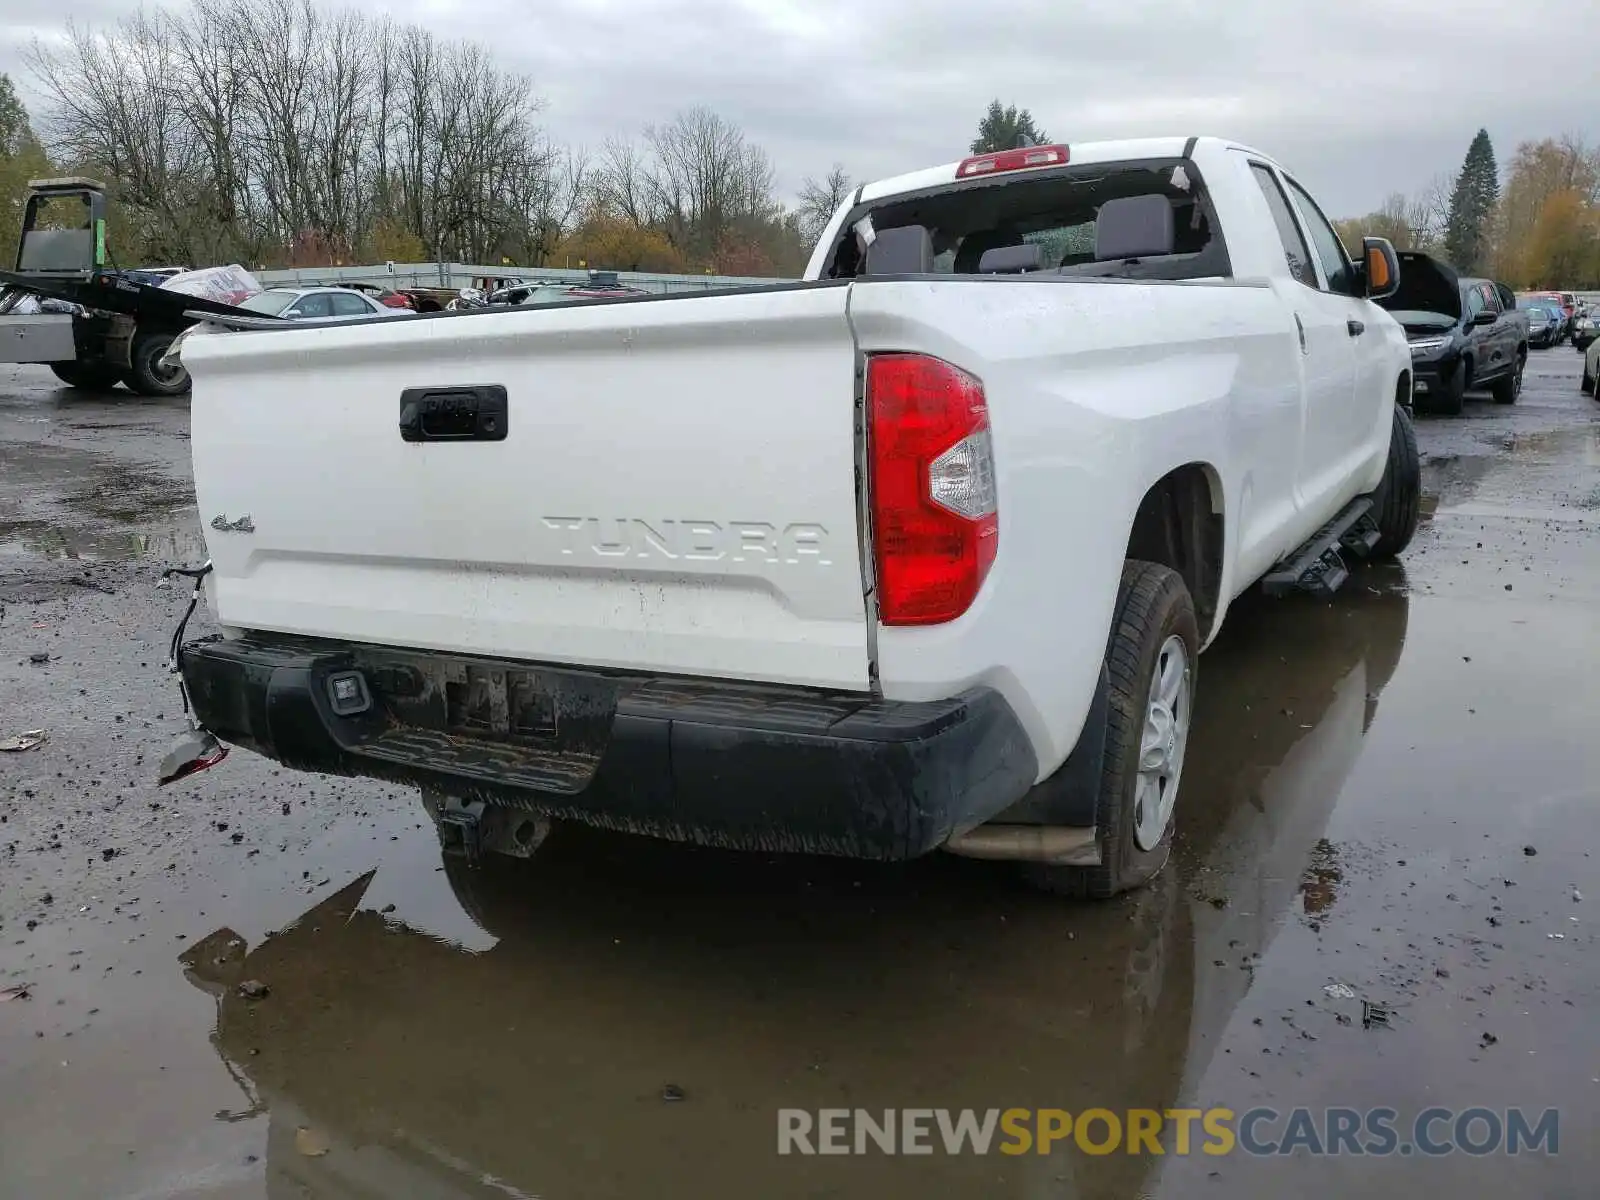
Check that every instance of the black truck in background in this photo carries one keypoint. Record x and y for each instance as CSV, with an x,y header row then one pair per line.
x,y
1465,334
93,325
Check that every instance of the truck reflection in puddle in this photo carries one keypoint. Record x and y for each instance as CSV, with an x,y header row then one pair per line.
x,y
643,1010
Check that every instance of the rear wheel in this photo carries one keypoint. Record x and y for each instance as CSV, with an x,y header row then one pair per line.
x,y
148,375
1397,506
1588,382
1151,660
92,377
1507,388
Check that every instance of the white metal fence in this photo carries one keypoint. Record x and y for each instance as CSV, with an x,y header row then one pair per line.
x,y
460,275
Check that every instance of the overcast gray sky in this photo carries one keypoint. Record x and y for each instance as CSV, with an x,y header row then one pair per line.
x,y
1359,97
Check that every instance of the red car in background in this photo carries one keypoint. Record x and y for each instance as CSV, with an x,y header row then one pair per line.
x,y
387,297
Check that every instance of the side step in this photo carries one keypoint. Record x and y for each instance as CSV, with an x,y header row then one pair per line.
x,y
1318,566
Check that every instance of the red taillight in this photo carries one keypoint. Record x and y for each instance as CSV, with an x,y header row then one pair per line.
x,y
1012,160
935,523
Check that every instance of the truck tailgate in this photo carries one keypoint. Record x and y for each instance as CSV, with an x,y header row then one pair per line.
x,y
672,488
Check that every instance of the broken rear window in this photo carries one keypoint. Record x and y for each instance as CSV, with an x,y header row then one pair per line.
x,y
1055,210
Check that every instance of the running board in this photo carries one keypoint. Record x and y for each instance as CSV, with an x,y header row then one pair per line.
x,y
1319,566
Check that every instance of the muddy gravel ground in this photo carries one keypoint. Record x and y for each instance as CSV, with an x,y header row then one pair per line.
x,y
261,983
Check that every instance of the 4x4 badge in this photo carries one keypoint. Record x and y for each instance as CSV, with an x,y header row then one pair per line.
x,y
243,525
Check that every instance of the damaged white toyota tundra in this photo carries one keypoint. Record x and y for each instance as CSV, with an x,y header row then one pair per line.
x,y
917,553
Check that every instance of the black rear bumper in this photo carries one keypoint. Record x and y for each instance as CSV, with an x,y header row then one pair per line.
x,y
749,767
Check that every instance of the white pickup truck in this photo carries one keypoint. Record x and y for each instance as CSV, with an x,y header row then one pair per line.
x,y
919,552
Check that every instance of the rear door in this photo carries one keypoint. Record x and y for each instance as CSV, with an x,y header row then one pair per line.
x,y
1328,355
663,486
1351,432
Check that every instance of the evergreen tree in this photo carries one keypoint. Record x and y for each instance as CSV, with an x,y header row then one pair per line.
x,y
1003,127
1472,204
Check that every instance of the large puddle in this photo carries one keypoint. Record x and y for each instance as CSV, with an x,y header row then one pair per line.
x,y
67,502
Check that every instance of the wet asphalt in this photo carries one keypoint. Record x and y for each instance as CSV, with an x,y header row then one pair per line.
x,y
1385,893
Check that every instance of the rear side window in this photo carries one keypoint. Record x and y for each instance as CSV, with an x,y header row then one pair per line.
x,y
1295,250
350,306
317,304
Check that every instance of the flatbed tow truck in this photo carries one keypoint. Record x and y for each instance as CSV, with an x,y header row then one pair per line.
x,y
108,327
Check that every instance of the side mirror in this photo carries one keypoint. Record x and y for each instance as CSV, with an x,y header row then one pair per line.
x,y
1485,318
1380,268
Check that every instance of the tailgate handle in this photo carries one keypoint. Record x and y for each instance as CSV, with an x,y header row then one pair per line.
x,y
454,414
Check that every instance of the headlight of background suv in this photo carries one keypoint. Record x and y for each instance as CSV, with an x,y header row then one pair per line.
x,y
1428,346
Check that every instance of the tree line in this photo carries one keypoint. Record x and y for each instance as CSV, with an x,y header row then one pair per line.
x,y
1538,227
277,132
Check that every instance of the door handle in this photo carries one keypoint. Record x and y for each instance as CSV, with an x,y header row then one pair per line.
x,y
1355,328
1301,326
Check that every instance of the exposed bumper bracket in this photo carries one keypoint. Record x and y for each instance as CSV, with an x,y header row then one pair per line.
x,y
461,828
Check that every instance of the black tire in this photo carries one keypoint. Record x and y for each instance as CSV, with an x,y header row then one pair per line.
x,y
147,376
1451,399
91,377
1507,388
1152,605
1397,504
1587,385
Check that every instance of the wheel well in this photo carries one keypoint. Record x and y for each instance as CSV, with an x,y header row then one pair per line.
x,y
1179,525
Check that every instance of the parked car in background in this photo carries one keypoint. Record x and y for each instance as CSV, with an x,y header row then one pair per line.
x,y
153,276
307,304
316,304
521,292
385,296
1462,334
605,284
1586,329
1564,315
601,285
1544,323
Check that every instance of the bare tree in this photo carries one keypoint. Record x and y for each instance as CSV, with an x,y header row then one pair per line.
x,y
707,182
820,200
1433,207
244,127
113,110
622,185
259,129
546,203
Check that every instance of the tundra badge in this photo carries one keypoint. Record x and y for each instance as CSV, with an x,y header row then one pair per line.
x,y
243,525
